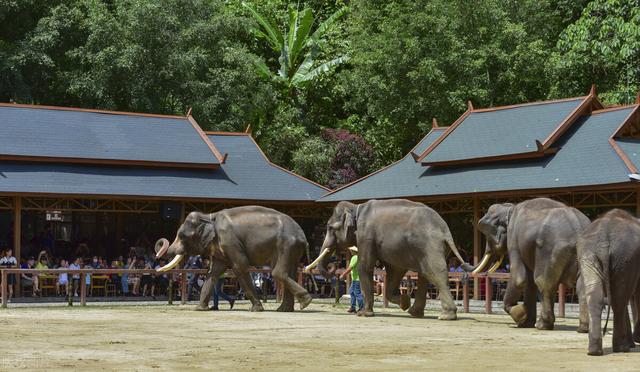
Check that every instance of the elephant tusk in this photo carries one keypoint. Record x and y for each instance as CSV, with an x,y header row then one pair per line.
x,y
496,265
483,263
315,263
176,260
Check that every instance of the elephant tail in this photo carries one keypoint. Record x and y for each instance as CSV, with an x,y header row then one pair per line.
x,y
449,241
607,287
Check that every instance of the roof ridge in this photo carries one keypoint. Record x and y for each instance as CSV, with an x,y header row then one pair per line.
x,y
614,108
95,111
524,104
222,133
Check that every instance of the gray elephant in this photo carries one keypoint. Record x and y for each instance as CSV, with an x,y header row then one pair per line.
x,y
539,235
238,238
401,234
609,257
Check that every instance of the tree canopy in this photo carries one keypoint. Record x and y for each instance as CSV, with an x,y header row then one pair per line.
x,y
333,89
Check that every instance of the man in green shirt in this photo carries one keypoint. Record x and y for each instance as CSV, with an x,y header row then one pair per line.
x,y
354,291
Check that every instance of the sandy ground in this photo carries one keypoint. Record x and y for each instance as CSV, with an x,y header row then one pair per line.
x,y
319,338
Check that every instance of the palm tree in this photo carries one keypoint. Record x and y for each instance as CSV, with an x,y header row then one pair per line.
x,y
298,48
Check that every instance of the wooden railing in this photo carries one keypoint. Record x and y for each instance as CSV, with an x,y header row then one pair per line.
x,y
461,278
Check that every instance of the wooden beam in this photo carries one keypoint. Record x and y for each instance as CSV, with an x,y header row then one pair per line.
x,y
477,239
17,234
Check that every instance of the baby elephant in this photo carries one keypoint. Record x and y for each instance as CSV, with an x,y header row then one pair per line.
x,y
609,257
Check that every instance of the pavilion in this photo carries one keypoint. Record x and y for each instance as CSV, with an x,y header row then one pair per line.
x,y
573,150
118,179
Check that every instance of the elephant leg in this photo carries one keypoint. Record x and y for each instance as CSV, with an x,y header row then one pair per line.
x,y
547,317
283,276
530,301
288,299
392,290
365,267
635,303
583,327
249,290
417,309
628,334
620,326
594,298
215,270
519,313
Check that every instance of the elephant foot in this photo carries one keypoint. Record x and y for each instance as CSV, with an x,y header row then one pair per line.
x,y
448,315
595,347
365,313
405,301
595,352
285,309
257,307
203,308
519,315
305,300
416,311
544,325
583,328
621,349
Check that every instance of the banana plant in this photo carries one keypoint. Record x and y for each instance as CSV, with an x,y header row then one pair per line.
x,y
297,46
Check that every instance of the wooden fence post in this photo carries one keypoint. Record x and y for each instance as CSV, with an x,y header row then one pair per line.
x,y
561,300
465,296
83,289
4,290
183,289
488,295
170,289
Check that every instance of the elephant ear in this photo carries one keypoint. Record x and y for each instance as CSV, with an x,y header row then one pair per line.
x,y
348,223
207,233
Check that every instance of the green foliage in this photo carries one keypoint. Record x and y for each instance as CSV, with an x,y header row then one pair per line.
x,y
603,47
313,160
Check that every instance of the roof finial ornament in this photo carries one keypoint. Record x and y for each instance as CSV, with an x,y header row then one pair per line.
x,y
248,129
189,111
469,105
434,123
592,92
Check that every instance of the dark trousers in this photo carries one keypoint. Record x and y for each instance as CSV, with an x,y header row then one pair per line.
x,y
217,293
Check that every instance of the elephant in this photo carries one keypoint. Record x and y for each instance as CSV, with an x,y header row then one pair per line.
x,y
402,235
539,235
609,257
238,238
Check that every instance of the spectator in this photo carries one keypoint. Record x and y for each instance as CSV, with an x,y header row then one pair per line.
x,y
146,281
218,292
30,280
62,285
43,260
124,280
76,265
9,262
116,279
195,262
159,281
95,263
354,292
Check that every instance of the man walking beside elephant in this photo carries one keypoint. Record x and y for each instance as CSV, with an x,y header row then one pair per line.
x,y
355,291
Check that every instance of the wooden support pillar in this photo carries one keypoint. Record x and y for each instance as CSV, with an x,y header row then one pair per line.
x,y
17,238
477,239
488,295
170,290
4,292
561,300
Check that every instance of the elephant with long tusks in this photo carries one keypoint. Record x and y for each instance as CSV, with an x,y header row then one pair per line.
x,y
539,236
238,238
401,234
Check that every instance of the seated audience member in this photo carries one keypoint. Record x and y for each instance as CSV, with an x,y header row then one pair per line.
x,y
146,281
9,262
95,263
30,280
62,285
160,281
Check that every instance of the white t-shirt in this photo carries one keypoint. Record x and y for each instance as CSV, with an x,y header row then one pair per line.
x,y
8,261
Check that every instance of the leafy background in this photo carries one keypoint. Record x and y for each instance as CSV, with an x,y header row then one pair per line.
x,y
403,63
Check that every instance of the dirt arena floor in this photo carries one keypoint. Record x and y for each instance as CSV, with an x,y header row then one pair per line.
x,y
319,338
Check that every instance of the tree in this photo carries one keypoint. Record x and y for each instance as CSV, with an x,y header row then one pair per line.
x,y
602,48
297,47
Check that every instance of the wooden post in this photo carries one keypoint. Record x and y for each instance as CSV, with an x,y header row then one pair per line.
x,y
17,234
385,300
561,300
83,289
170,289
488,295
477,239
4,292
465,296
337,289
183,289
